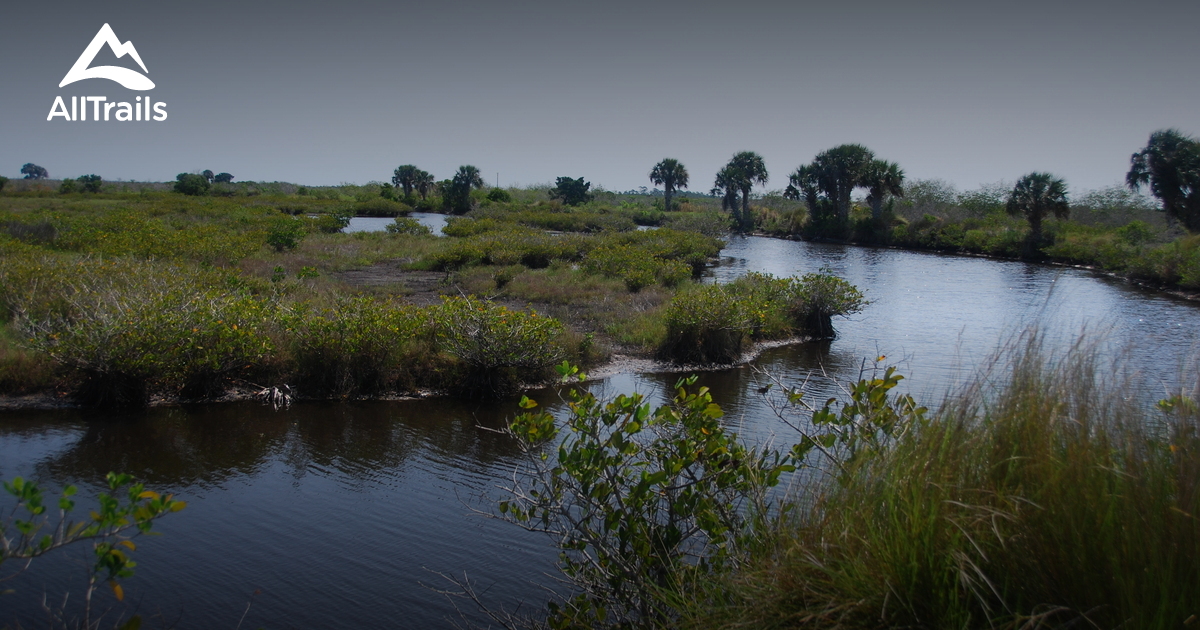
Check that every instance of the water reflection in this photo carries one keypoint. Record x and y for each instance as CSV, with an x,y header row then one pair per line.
x,y
337,511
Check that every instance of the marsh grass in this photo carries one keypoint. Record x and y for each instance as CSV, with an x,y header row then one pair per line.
x,y
1043,495
22,371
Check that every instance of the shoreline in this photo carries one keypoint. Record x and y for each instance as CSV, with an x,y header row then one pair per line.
x,y
1179,293
616,364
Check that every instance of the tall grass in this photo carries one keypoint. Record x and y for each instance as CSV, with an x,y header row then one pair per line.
x,y
1042,495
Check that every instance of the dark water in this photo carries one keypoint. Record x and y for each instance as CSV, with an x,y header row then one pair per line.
x,y
340,513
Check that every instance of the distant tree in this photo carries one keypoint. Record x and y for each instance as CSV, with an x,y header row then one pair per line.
x,y
68,186
499,195
90,183
457,198
725,188
882,178
571,191
742,172
803,184
191,184
669,174
223,178
423,182
3,181
833,175
207,175
33,171
1170,166
405,177
1035,196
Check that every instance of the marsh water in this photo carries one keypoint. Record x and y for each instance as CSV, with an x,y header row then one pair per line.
x,y
344,515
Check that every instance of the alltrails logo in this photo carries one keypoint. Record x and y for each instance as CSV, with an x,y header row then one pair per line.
x,y
102,108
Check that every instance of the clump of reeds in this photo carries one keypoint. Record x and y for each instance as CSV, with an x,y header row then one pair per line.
x,y
1045,494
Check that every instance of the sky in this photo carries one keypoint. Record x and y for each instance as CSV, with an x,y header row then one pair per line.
x,y
323,93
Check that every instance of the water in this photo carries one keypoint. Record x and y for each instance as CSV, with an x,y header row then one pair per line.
x,y
431,220
340,513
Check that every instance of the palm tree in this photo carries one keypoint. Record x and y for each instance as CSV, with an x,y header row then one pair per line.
x,y
725,186
405,177
802,184
1170,166
670,174
882,178
742,172
1035,196
459,199
469,177
423,182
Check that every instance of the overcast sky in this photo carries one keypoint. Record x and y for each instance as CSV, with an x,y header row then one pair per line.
x,y
324,93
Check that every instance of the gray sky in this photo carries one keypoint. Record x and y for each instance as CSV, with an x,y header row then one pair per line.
x,y
323,93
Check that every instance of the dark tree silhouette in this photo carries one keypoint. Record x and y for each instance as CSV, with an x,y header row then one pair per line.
x,y
405,177
457,198
423,182
571,191
669,174
191,184
1170,166
33,171
882,178
742,172
90,183
1035,196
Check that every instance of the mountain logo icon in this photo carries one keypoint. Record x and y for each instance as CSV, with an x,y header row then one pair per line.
x,y
126,77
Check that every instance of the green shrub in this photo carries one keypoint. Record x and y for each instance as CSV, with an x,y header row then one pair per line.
x,y
380,207
331,223
820,298
639,501
159,329
286,233
498,345
406,225
191,184
708,324
711,224
353,347
468,226
90,183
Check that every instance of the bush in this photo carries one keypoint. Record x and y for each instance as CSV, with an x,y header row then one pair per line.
x,y
353,347
380,207
499,195
331,223
90,183
819,298
406,225
713,323
286,233
708,324
640,501
159,327
191,184
498,345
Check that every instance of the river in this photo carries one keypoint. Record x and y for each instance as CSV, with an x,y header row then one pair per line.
x,y
343,515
